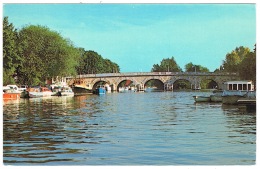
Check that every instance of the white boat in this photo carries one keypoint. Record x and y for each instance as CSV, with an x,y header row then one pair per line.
x,y
39,92
66,91
201,98
11,92
108,88
235,90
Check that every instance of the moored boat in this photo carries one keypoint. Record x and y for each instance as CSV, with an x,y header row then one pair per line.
x,y
108,88
201,98
66,91
231,98
39,92
216,96
100,90
249,100
79,87
11,92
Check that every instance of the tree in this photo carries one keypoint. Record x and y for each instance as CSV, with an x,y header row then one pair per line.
x,y
247,68
167,65
190,67
46,54
11,52
93,63
233,59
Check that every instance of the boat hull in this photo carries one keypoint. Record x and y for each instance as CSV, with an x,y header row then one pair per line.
x,y
231,99
39,94
201,98
11,95
214,98
81,90
100,91
67,93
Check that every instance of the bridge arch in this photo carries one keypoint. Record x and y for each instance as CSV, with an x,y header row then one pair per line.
x,y
154,82
182,83
100,81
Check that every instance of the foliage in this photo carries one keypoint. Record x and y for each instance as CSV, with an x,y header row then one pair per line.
x,y
11,49
242,61
247,68
36,53
93,63
167,65
46,54
233,59
190,67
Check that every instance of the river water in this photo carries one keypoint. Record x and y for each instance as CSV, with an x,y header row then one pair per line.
x,y
159,128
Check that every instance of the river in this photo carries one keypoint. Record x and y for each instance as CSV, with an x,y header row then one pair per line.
x,y
157,128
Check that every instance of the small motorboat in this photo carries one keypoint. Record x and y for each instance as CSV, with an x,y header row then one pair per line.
x,y
216,96
39,92
100,90
201,98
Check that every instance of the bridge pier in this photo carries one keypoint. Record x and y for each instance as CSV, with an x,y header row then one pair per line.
x,y
168,87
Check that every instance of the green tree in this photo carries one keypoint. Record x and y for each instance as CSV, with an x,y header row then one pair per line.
x,y
233,59
46,54
93,63
190,67
11,52
247,68
167,65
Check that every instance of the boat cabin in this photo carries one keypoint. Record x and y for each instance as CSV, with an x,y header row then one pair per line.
x,y
238,85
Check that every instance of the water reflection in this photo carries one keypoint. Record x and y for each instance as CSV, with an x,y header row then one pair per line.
x,y
127,129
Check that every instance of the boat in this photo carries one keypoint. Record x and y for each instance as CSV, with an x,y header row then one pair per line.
x,y
39,92
79,87
249,100
231,97
66,91
108,88
235,90
100,90
216,96
11,92
201,98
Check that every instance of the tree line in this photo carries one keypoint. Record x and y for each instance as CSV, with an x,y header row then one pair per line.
x,y
36,53
241,60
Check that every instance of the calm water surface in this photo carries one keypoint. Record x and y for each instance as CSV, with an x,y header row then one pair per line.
x,y
160,128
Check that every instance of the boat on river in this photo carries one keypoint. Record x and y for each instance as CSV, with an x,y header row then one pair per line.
x,y
39,92
80,87
201,98
11,92
249,100
66,91
216,96
235,90
100,90
63,91
108,88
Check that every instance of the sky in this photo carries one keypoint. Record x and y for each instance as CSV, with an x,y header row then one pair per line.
x,y
137,36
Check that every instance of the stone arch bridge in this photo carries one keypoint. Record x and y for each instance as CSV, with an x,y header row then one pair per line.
x,y
141,78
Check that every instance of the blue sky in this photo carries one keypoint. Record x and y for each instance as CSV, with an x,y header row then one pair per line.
x,y
136,36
